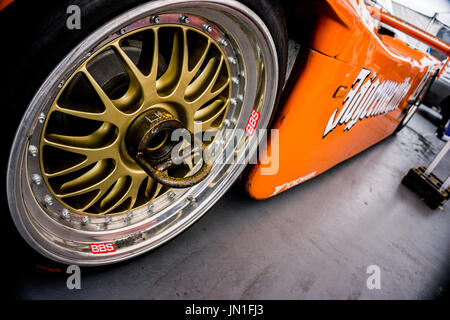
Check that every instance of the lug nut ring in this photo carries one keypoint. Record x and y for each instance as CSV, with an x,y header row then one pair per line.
x,y
155,157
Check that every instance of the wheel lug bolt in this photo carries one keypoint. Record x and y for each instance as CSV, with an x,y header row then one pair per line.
x,y
184,19
155,19
123,30
33,150
129,216
60,85
108,220
207,27
65,214
150,208
171,195
36,179
48,200
223,42
227,123
192,200
235,80
85,220
41,118
232,60
233,101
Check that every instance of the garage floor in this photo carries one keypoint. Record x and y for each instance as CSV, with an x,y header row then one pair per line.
x,y
311,242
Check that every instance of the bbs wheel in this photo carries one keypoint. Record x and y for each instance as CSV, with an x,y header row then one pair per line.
x,y
75,180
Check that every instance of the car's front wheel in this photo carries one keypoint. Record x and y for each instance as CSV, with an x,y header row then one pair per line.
x,y
75,187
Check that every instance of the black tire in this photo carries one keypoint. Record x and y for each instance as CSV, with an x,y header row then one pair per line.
x,y
33,32
272,14
35,40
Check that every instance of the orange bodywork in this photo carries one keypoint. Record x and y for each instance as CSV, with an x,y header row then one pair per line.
x,y
351,91
5,3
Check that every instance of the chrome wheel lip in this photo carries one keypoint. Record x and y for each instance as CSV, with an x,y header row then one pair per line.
x,y
58,241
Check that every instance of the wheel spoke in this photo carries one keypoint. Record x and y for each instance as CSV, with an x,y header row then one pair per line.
x,y
211,110
104,135
155,59
74,168
131,192
115,192
157,191
99,195
133,71
91,180
96,116
91,153
207,94
171,77
200,62
214,110
200,84
111,114
149,187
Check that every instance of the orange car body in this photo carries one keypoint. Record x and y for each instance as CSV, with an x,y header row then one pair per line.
x,y
351,91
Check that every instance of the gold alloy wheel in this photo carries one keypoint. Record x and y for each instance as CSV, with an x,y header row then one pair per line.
x,y
84,158
72,179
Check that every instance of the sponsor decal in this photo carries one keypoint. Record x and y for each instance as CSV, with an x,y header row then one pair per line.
x,y
252,122
369,96
291,184
100,248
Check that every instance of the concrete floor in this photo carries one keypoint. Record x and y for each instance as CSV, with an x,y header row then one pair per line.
x,y
311,242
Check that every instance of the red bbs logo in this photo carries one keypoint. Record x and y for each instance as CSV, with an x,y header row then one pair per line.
x,y
252,122
100,248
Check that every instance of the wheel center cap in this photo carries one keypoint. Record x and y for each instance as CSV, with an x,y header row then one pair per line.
x,y
150,134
